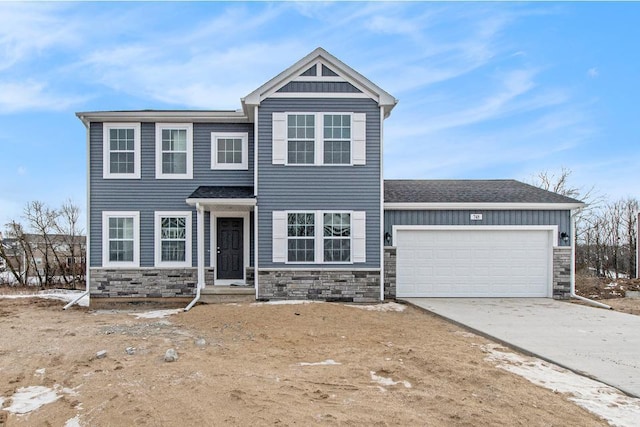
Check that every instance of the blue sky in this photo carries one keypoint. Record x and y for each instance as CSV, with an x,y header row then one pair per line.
x,y
486,90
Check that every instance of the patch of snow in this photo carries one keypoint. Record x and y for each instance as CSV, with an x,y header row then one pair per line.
x,y
327,362
383,381
390,306
40,371
65,295
285,302
156,314
1,401
73,422
605,401
28,399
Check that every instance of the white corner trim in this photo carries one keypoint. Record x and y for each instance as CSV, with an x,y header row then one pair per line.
x,y
243,165
157,242
189,172
394,206
106,151
105,239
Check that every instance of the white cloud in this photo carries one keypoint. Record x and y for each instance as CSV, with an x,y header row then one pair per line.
x,y
33,95
22,170
593,72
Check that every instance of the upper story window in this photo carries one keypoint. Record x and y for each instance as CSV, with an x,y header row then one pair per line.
x,y
230,150
173,239
301,139
121,151
337,139
121,239
174,151
319,138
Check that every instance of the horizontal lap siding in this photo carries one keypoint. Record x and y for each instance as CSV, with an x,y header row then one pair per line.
x,y
283,187
561,218
148,195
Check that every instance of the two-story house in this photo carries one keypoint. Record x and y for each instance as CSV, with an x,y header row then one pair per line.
x,y
287,195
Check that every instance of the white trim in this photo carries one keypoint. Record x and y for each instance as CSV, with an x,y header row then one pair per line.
x,y
188,259
246,239
189,172
552,233
319,79
313,95
550,228
106,151
255,153
244,164
163,116
381,222
255,249
105,239
200,245
391,206
87,242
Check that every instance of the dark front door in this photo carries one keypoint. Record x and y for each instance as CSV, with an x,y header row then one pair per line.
x,y
230,262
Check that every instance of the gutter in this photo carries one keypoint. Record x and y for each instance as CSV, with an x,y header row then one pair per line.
x,y
200,245
195,300
572,281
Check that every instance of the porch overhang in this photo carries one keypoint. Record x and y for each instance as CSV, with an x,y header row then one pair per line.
x,y
222,196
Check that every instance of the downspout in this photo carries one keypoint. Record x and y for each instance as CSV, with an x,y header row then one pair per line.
x,y
87,263
200,256
572,279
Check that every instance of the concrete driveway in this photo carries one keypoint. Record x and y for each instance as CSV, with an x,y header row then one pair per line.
x,y
601,344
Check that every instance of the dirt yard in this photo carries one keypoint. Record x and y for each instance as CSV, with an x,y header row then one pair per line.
x,y
610,291
261,365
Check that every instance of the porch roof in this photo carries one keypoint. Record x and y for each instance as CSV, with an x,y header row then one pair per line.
x,y
219,195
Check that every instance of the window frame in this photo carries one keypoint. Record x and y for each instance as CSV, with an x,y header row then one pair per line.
x,y
106,150
189,150
349,238
106,215
315,138
350,139
216,165
319,238
157,240
315,244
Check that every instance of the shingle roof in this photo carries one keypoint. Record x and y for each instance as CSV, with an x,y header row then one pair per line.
x,y
468,191
222,192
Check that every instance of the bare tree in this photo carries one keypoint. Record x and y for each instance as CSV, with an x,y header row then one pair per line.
x,y
67,226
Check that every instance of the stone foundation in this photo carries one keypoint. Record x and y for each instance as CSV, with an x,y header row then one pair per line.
x,y
561,272
390,272
250,273
320,285
144,282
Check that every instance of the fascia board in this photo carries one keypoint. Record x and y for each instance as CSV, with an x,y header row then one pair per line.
x,y
482,206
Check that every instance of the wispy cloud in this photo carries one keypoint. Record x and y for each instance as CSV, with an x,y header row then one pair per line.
x,y
33,95
593,72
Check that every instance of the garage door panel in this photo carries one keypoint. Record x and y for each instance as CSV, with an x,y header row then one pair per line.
x,y
473,263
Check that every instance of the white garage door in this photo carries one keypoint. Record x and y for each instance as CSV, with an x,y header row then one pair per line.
x,y
473,263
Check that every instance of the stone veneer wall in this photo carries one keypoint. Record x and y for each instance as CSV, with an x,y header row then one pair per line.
x,y
561,272
145,282
390,272
250,273
323,285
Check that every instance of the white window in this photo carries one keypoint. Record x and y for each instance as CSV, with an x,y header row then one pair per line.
x,y
121,151
337,237
319,138
230,150
321,237
121,239
301,237
174,151
173,239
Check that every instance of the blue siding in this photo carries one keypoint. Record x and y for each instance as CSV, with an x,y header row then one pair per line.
x,y
283,187
561,218
148,195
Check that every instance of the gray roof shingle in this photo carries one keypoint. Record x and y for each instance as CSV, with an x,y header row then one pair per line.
x,y
468,191
222,192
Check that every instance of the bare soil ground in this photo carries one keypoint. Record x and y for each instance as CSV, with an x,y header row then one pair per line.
x,y
258,367
610,291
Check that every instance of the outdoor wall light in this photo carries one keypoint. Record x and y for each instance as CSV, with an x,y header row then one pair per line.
x,y
387,237
564,236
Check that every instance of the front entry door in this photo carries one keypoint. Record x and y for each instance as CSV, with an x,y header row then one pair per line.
x,y
230,263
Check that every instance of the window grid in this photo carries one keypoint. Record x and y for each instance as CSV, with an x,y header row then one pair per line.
x,y
337,139
229,150
301,138
301,237
174,151
337,237
121,239
121,151
173,239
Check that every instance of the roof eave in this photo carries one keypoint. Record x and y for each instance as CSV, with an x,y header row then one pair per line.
x,y
159,116
480,206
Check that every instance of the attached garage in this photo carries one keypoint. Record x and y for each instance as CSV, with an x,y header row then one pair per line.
x,y
476,238
472,262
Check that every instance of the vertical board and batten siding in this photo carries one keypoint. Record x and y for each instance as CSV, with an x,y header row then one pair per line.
x,y
315,87
337,188
148,194
561,218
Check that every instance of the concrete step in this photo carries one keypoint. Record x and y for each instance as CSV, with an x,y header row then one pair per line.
x,y
227,294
